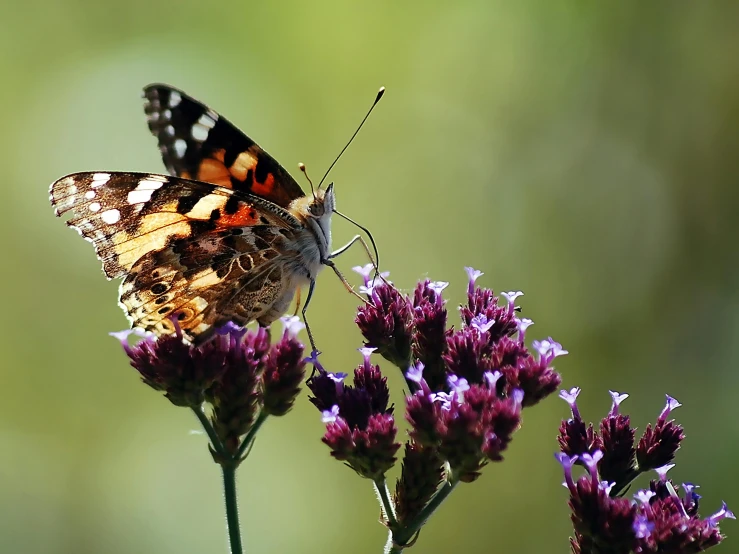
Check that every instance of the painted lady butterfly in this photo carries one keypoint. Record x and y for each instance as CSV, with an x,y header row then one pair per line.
x,y
229,236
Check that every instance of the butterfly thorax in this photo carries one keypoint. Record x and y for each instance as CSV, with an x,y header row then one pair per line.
x,y
314,212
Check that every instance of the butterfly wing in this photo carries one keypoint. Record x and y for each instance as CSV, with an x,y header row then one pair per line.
x,y
198,143
205,253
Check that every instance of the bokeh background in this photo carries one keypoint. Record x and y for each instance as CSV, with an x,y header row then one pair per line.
x,y
585,153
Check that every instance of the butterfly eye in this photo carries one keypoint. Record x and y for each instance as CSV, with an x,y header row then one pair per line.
x,y
316,209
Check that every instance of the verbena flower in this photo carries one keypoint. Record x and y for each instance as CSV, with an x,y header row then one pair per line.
x,y
466,392
238,372
360,428
657,519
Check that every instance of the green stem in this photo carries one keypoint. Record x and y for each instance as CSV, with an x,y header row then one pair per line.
x,y
232,508
406,533
212,436
249,438
388,509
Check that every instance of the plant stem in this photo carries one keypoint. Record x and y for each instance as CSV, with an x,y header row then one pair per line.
x,y
249,438
212,436
388,509
232,508
405,534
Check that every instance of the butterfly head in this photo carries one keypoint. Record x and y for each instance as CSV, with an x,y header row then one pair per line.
x,y
315,211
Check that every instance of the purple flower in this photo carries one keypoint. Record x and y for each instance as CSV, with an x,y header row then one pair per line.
x,y
284,370
659,521
183,372
415,373
617,399
360,428
386,323
429,330
329,416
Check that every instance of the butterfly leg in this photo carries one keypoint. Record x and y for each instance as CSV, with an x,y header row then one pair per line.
x,y
347,285
305,319
360,240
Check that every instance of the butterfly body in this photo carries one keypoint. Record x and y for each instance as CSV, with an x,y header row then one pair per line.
x,y
228,236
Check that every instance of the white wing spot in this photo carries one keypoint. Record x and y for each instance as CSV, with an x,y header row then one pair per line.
x,y
139,196
169,130
167,114
90,194
174,98
111,216
200,132
95,206
72,189
150,184
99,179
180,146
207,121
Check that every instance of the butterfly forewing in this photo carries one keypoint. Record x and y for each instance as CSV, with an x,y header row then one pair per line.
x,y
198,143
204,253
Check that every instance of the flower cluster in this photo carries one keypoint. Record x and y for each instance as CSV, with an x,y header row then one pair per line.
x,y
657,519
238,372
467,388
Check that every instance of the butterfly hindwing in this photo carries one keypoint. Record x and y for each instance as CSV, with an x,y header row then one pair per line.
x,y
198,143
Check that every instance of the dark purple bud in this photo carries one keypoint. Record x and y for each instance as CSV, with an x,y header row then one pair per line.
x,y
370,451
429,324
619,455
659,444
422,473
183,372
468,355
284,370
387,324
236,395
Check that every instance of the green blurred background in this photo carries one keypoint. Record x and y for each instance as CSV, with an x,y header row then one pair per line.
x,y
583,152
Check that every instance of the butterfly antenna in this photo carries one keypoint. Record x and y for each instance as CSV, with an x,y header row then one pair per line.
x,y
377,99
369,236
305,172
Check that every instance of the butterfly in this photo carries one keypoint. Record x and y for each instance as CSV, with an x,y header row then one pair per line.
x,y
228,236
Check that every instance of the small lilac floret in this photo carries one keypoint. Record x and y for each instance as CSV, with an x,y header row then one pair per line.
x,y
566,462
642,526
517,396
491,378
415,373
329,416
643,496
457,385
549,349
617,399
591,462
437,286
443,398
689,490
723,513
511,295
671,405
313,360
367,352
337,377
571,398
122,336
523,324
291,325
606,487
482,323
365,271
662,471
473,275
